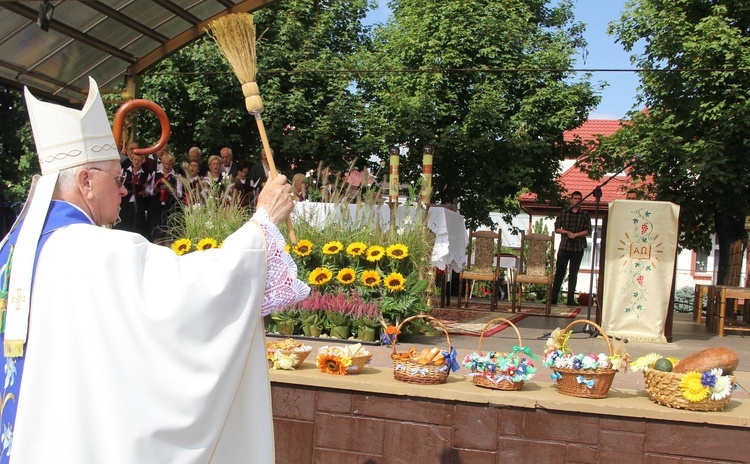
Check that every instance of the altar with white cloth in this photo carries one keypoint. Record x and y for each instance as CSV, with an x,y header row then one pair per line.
x,y
449,251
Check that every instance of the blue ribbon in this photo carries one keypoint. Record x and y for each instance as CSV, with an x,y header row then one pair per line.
x,y
589,383
526,350
556,375
450,359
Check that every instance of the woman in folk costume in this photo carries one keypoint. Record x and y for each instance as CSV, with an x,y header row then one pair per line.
x,y
102,365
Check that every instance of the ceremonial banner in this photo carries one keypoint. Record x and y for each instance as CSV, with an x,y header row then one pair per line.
x,y
640,255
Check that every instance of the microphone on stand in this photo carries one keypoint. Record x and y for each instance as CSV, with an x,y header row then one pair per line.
x,y
634,161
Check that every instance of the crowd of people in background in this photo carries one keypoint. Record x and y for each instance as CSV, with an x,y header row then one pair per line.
x,y
157,183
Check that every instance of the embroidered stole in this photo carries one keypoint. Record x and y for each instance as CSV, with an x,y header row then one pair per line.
x,y
60,214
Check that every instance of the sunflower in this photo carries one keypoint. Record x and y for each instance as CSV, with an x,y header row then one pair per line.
x,y
331,363
394,281
206,244
303,248
346,276
374,253
182,246
333,248
371,278
397,251
692,387
320,276
356,248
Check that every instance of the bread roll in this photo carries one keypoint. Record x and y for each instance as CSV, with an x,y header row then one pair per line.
x,y
710,358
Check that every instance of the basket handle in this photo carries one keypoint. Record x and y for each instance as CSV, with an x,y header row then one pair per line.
x,y
487,325
601,331
420,316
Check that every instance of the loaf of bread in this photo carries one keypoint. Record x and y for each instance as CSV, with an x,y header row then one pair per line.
x,y
710,358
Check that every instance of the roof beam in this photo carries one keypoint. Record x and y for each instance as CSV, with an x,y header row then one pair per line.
x,y
125,20
64,29
177,11
226,3
190,35
37,76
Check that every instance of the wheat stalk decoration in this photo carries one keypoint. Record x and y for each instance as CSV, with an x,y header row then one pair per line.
x,y
235,35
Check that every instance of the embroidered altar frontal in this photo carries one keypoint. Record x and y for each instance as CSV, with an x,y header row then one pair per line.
x,y
639,266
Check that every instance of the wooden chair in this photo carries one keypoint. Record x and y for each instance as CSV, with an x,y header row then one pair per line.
x,y
720,319
536,249
483,264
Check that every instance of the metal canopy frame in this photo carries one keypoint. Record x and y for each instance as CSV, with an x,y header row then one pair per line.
x,y
105,39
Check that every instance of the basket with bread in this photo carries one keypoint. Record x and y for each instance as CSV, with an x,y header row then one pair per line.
x,y
580,374
286,354
702,381
501,371
342,360
429,366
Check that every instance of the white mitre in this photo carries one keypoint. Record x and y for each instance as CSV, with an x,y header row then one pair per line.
x,y
64,138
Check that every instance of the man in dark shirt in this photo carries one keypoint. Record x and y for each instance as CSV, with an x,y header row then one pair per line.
x,y
574,225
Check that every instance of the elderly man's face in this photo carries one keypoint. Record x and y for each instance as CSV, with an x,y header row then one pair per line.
x,y
194,155
105,194
226,158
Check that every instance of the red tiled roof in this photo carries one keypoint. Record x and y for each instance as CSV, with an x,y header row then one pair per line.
x,y
592,128
573,179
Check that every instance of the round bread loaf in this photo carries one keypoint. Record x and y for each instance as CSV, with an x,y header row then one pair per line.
x,y
710,358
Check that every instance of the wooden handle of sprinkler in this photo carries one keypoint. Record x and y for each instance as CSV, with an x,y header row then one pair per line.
x,y
272,167
254,106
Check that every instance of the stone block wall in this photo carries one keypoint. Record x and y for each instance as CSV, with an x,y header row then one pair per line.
x,y
327,426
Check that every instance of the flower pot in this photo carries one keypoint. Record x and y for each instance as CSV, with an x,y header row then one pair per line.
x,y
366,334
315,330
583,299
340,331
285,328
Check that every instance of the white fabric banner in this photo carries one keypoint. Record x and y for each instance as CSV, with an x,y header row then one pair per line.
x,y
640,255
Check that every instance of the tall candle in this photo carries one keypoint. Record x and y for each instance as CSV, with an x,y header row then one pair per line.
x,y
427,174
393,171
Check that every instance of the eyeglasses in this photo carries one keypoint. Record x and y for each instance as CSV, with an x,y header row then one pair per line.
x,y
119,179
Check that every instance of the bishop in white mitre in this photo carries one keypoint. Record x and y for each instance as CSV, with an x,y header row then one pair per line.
x,y
102,365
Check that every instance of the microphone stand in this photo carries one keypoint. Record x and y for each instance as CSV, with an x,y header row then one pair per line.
x,y
597,193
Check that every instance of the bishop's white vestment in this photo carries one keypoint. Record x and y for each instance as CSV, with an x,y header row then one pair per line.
x,y
137,355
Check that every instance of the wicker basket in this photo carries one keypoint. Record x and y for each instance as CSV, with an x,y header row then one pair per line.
x,y
497,382
664,388
585,383
413,372
302,354
358,362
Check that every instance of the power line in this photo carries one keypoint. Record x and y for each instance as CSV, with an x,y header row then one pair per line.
x,y
460,70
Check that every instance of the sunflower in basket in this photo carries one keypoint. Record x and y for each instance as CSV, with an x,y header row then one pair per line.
x,y
333,362
342,360
518,366
713,384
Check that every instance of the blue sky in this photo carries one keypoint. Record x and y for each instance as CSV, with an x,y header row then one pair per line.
x,y
619,96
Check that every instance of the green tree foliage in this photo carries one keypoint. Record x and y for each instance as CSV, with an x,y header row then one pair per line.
x,y
495,133
310,116
695,133
16,147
